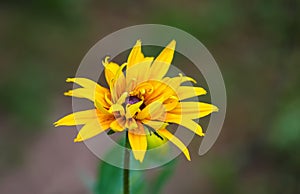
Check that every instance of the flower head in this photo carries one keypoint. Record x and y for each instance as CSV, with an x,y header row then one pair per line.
x,y
140,100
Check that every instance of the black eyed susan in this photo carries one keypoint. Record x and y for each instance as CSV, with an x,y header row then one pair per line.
x,y
137,97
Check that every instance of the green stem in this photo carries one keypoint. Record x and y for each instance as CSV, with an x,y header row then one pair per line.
x,y
126,167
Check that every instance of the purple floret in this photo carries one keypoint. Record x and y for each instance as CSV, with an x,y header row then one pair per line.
x,y
133,100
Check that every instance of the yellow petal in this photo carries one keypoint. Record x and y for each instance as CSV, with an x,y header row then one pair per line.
x,y
142,89
83,82
175,141
137,67
81,93
180,79
138,72
132,109
107,97
91,129
175,82
87,83
143,69
130,83
110,71
171,103
138,142
77,118
119,83
161,65
131,124
135,55
122,98
185,122
155,124
194,110
117,108
90,90
152,111
118,125
161,92
101,108
185,92
89,94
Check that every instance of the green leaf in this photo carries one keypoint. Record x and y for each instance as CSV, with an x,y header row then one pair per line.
x,y
165,173
110,178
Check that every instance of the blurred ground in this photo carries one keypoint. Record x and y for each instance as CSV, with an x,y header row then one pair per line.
x,y
256,45
53,164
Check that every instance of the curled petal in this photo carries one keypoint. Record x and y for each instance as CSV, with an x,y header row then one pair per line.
x,y
110,71
119,83
161,92
142,89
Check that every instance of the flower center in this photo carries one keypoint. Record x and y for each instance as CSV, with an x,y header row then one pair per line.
x,y
133,100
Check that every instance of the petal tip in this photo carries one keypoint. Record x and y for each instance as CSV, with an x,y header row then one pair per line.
x,y
199,132
193,80
68,93
172,44
78,139
70,79
55,124
187,154
215,109
105,61
138,42
188,158
140,157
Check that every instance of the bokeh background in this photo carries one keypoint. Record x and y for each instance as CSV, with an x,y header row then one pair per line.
x,y
255,43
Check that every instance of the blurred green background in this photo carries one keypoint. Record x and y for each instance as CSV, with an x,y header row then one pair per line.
x,y
255,43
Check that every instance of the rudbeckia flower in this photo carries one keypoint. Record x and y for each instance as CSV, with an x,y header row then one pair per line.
x,y
140,101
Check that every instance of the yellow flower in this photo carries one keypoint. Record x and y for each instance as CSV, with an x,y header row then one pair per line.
x,y
138,97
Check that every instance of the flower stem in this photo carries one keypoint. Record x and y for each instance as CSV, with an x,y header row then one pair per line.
x,y
126,167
